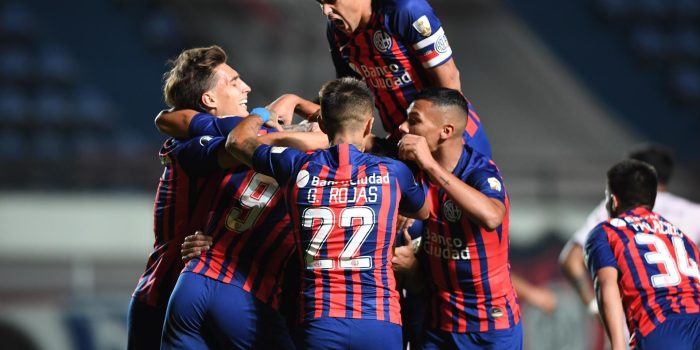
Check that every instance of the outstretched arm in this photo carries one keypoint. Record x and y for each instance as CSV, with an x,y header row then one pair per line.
x,y
611,312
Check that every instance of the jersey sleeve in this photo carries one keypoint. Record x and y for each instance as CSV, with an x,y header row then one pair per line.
x,y
412,193
598,215
488,181
198,155
278,162
418,26
204,124
598,253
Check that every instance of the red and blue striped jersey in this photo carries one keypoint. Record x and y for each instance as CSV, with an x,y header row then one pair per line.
x,y
403,39
251,230
180,208
344,204
656,262
468,266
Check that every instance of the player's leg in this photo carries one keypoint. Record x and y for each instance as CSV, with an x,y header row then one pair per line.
x,y
240,321
681,332
324,334
144,325
185,317
374,335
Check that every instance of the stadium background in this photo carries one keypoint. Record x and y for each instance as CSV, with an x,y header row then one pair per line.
x,y
564,88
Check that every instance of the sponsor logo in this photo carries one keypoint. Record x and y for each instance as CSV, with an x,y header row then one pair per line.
x,y
496,312
422,26
441,44
278,149
383,77
204,140
494,184
453,248
302,178
451,211
382,41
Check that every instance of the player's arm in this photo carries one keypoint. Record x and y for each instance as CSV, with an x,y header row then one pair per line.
x,y
289,104
485,211
571,263
445,75
242,140
175,123
539,297
303,141
610,306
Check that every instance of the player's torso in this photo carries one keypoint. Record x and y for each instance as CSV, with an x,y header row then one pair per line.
x,y
387,66
180,208
344,216
252,240
658,266
470,281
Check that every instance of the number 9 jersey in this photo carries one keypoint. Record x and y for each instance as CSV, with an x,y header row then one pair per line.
x,y
657,265
343,204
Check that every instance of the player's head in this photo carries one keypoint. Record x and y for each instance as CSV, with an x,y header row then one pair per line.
x,y
657,157
200,79
631,184
346,15
347,106
438,114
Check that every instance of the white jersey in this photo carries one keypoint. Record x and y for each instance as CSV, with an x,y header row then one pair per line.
x,y
677,210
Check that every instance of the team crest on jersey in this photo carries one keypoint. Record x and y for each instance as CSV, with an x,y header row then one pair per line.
x,y
494,184
165,160
382,41
441,44
302,178
451,211
422,26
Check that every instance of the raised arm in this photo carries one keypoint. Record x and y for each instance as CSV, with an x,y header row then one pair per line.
x,y
175,123
610,306
445,75
242,140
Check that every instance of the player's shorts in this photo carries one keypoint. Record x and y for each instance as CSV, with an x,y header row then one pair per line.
x,y
349,334
501,339
205,313
144,325
678,332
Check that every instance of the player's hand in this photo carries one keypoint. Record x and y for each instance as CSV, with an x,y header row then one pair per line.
x,y
403,223
415,148
195,245
284,107
404,259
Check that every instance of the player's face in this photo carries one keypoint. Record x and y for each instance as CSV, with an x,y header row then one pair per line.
x,y
346,15
230,92
423,120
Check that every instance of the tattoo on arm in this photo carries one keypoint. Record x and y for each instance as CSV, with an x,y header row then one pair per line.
x,y
248,148
445,182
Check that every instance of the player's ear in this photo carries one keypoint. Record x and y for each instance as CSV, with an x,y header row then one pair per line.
x,y
208,100
447,131
368,127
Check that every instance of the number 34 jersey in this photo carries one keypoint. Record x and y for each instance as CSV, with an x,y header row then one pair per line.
x,y
343,204
657,265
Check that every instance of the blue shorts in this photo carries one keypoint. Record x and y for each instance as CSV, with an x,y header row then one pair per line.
x,y
144,325
501,339
347,334
678,332
206,313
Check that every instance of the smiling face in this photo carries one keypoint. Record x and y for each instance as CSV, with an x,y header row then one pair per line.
x,y
347,15
229,96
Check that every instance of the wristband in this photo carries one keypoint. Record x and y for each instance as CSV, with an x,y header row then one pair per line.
x,y
262,112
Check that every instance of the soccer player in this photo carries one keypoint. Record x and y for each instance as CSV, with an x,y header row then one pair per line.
x,y
678,210
344,206
464,248
398,47
643,266
182,189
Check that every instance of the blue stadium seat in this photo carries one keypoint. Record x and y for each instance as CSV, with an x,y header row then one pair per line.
x,y
48,145
16,65
52,108
685,84
12,145
686,44
13,107
93,108
654,10
649,43
56,65
614,10
687,10
17,24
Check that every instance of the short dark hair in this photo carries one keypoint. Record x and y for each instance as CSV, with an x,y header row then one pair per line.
x,y
444,97
345,104
658,157
634,183
191,75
